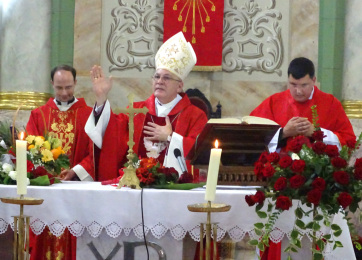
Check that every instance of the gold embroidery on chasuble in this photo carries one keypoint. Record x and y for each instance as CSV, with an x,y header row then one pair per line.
x,y
62,126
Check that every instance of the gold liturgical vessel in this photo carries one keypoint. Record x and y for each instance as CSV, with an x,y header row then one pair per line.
x,y
21,226
208,207
130,178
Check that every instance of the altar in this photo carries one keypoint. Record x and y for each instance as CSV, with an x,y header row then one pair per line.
x,y
91,211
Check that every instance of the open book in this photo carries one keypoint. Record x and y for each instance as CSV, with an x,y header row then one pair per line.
x,y
250,120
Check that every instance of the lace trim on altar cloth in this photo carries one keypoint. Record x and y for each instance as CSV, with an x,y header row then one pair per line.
x,y
158,231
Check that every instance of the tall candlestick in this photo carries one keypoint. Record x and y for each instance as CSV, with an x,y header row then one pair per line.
x,y
21,176
213,172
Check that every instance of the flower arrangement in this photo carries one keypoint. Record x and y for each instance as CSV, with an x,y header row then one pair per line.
x,y
317,175
45,158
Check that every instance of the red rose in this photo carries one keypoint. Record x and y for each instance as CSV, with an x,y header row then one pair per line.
x,y
259,197
341,177
344,199
268,170
186,178
358,173
39,171
318,135
296,144
298,166
351,143
319,184
29,166
263,157
273,157
297,181
358,163
280,184
285,161
283,203
331,150
172,175
258,169
339,162
250,200
319,147
314,196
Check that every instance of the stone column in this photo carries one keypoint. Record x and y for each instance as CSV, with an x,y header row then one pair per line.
x,y
24,53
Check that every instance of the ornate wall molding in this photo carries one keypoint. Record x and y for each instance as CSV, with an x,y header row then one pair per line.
x,y
27,100
252,37
353,109
256,39
134,35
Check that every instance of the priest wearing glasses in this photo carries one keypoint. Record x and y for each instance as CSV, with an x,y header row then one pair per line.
x,y
171,122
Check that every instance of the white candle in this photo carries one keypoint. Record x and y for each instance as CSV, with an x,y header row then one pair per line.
x,y
213,172
21,176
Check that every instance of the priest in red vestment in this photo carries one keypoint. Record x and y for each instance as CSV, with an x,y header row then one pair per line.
x,y
291,109
171,122
63,117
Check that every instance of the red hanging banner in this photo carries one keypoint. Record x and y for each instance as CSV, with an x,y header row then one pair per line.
x,y
201,21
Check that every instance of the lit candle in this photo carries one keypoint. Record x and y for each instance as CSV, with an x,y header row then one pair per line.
x,y
213,172
21,176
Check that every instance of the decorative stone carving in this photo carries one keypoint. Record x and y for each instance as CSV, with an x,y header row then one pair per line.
x,y
135,34
253,37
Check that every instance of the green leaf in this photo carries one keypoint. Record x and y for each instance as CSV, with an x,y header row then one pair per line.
x,y
289,257
270,207
299,213
258,232
259,225
300,224
316,226
254,242
337,233
294,234
320,244
298,244
261,214
327,237
294,250
337,244
261,246
309,225
317,256
40,181
335,227
318,217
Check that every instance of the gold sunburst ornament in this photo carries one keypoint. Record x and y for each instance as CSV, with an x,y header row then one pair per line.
x,y
200,10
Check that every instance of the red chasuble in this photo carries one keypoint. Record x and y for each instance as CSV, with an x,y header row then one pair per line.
x,y
68,126
187,120
281,107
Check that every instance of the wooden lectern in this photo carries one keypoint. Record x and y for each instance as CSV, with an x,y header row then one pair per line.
x,y
241,146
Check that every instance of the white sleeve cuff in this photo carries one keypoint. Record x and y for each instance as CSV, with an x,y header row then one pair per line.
x,y
82,173
273,144
331,138
96,132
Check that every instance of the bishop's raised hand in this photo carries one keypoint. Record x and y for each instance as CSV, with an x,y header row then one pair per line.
x,y
101,84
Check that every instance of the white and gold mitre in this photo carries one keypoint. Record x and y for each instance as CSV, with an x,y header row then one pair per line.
x,y
176,55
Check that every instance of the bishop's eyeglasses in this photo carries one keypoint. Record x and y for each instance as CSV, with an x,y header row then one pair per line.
x,y
164,79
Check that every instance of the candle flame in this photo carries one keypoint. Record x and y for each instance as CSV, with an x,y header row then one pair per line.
x,y
216,143
21,135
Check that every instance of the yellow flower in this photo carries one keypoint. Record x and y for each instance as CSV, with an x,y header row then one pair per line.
x,y
46,145
30,139
39,140
47,155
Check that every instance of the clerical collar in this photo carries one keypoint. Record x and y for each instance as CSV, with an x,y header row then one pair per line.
x,y
163,110
311,94
64,106
60,103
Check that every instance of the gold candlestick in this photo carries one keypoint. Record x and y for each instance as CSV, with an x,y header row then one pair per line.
x,y
208,207
21,226
129,178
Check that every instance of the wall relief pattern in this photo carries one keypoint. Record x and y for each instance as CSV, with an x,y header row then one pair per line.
x,y
135,34
255,35
252,37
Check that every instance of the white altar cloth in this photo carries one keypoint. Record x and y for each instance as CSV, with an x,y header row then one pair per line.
x,y
92,207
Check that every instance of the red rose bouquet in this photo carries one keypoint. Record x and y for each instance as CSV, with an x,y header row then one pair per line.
x,y
314,174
